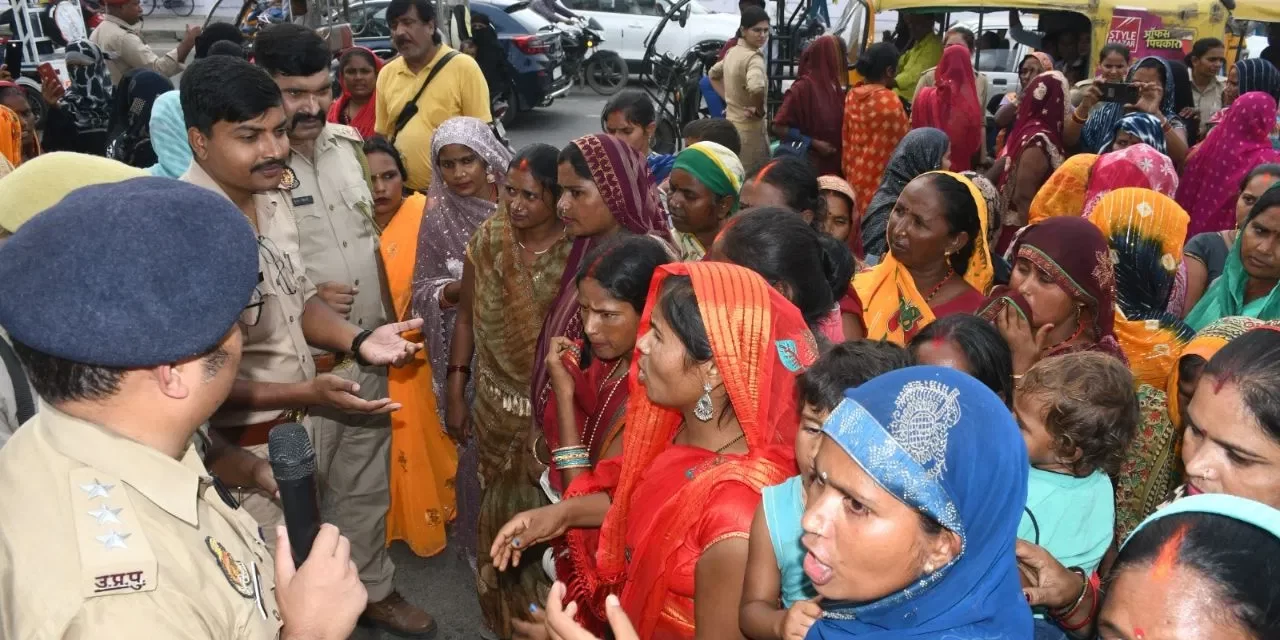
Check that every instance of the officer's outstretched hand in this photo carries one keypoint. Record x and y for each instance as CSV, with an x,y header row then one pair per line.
x,y
386,347
322,599
335,391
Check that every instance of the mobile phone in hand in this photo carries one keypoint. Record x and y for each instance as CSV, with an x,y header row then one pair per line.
x,y
47,72
1119,92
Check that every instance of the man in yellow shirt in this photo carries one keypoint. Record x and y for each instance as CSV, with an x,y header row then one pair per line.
x,y
457,89
924,50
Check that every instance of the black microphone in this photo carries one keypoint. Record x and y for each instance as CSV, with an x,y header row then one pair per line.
x,y
293,463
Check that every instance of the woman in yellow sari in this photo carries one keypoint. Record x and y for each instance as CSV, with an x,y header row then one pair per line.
x,y
1063,193
1145,231
423,459
938,261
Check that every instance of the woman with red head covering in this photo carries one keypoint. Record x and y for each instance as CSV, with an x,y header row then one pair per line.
x,y
952,106
715,422
1032,152
813,107
358,76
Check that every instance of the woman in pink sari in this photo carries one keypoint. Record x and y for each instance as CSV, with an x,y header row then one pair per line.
x,y
952,106
1217,165
1139,166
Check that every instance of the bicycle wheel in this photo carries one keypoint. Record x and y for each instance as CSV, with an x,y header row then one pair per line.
x,y
152,9
182,7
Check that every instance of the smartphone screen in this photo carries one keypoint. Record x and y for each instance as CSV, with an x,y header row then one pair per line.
x,y
1119,92
13,57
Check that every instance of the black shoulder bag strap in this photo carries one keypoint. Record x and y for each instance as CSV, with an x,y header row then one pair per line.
x,y
411,109
21,389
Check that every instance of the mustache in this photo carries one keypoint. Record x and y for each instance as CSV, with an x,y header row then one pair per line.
x,y
301,118
269,164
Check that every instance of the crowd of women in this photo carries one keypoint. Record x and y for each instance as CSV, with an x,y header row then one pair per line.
x,y
965,390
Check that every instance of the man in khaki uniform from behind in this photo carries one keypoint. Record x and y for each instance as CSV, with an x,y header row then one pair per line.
x,y
110,525
120,38
330,197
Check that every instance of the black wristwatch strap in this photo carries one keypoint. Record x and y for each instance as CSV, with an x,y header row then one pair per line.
x,y
355,347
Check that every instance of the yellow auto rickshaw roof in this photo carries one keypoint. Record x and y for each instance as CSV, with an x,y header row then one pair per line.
x,y
1264,10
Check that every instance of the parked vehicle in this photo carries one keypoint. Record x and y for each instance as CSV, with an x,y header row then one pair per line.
x,y
535,56
585,61
628,24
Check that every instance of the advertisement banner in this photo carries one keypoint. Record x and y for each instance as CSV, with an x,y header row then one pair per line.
x,y
1147,35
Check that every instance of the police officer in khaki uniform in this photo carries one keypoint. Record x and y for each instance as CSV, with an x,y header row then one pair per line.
x,y
120,38
329,192
112,526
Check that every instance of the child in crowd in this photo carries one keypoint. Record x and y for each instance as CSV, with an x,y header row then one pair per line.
x,y
717,130
1078,414
842,212
777,598
630,117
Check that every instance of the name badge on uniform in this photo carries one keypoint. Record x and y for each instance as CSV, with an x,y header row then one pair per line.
x,y
304,201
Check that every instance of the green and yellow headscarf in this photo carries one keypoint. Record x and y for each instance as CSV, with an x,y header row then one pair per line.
x,y
715,166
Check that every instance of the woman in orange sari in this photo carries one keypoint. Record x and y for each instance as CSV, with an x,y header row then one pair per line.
x,y
1063,193
423,459
10,140
874,121
716,421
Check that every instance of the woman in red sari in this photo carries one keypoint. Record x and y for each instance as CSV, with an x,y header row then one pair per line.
x,y
813,107
1032,153
718,356
952,106
358,76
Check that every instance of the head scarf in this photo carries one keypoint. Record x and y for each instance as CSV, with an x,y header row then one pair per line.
x,y
1075,255
1135,166
760,344
919,152
1040,115
945,445
995,204
43,181
1105,117
364,120
952,106
815,101
622,176
130,140
893,308
1063,193
1143,126
1146,232
10,136
715,166
1232,149
168,130
1207,342
450,221
1225,296
1245,510
1257,74
88,98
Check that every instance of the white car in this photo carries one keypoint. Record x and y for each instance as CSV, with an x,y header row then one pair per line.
x,y
628,23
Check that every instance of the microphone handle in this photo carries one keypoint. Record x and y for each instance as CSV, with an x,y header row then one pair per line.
x,y
301,514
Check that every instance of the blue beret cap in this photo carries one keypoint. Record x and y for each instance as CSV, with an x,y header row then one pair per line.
x,y
130,274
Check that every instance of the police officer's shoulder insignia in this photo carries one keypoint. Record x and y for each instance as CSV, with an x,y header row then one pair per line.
x,y
289,180
236,572
346,132
115,557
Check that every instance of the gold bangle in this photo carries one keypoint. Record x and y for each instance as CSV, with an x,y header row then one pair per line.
x,y
1075,115
533,450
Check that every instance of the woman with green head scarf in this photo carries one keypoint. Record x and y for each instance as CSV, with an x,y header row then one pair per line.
x,y
704,187
1250,280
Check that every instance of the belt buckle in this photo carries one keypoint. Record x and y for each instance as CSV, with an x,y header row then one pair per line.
x,y
294,415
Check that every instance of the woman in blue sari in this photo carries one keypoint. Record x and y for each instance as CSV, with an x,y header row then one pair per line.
x,y
911,519
1093,124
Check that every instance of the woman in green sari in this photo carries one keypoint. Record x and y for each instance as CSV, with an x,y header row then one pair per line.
x,y
1248,285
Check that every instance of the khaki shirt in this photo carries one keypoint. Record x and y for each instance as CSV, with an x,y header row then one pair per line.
x,y
122,42
275,350
334,210
742,71
9,400
103,537
1209,101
